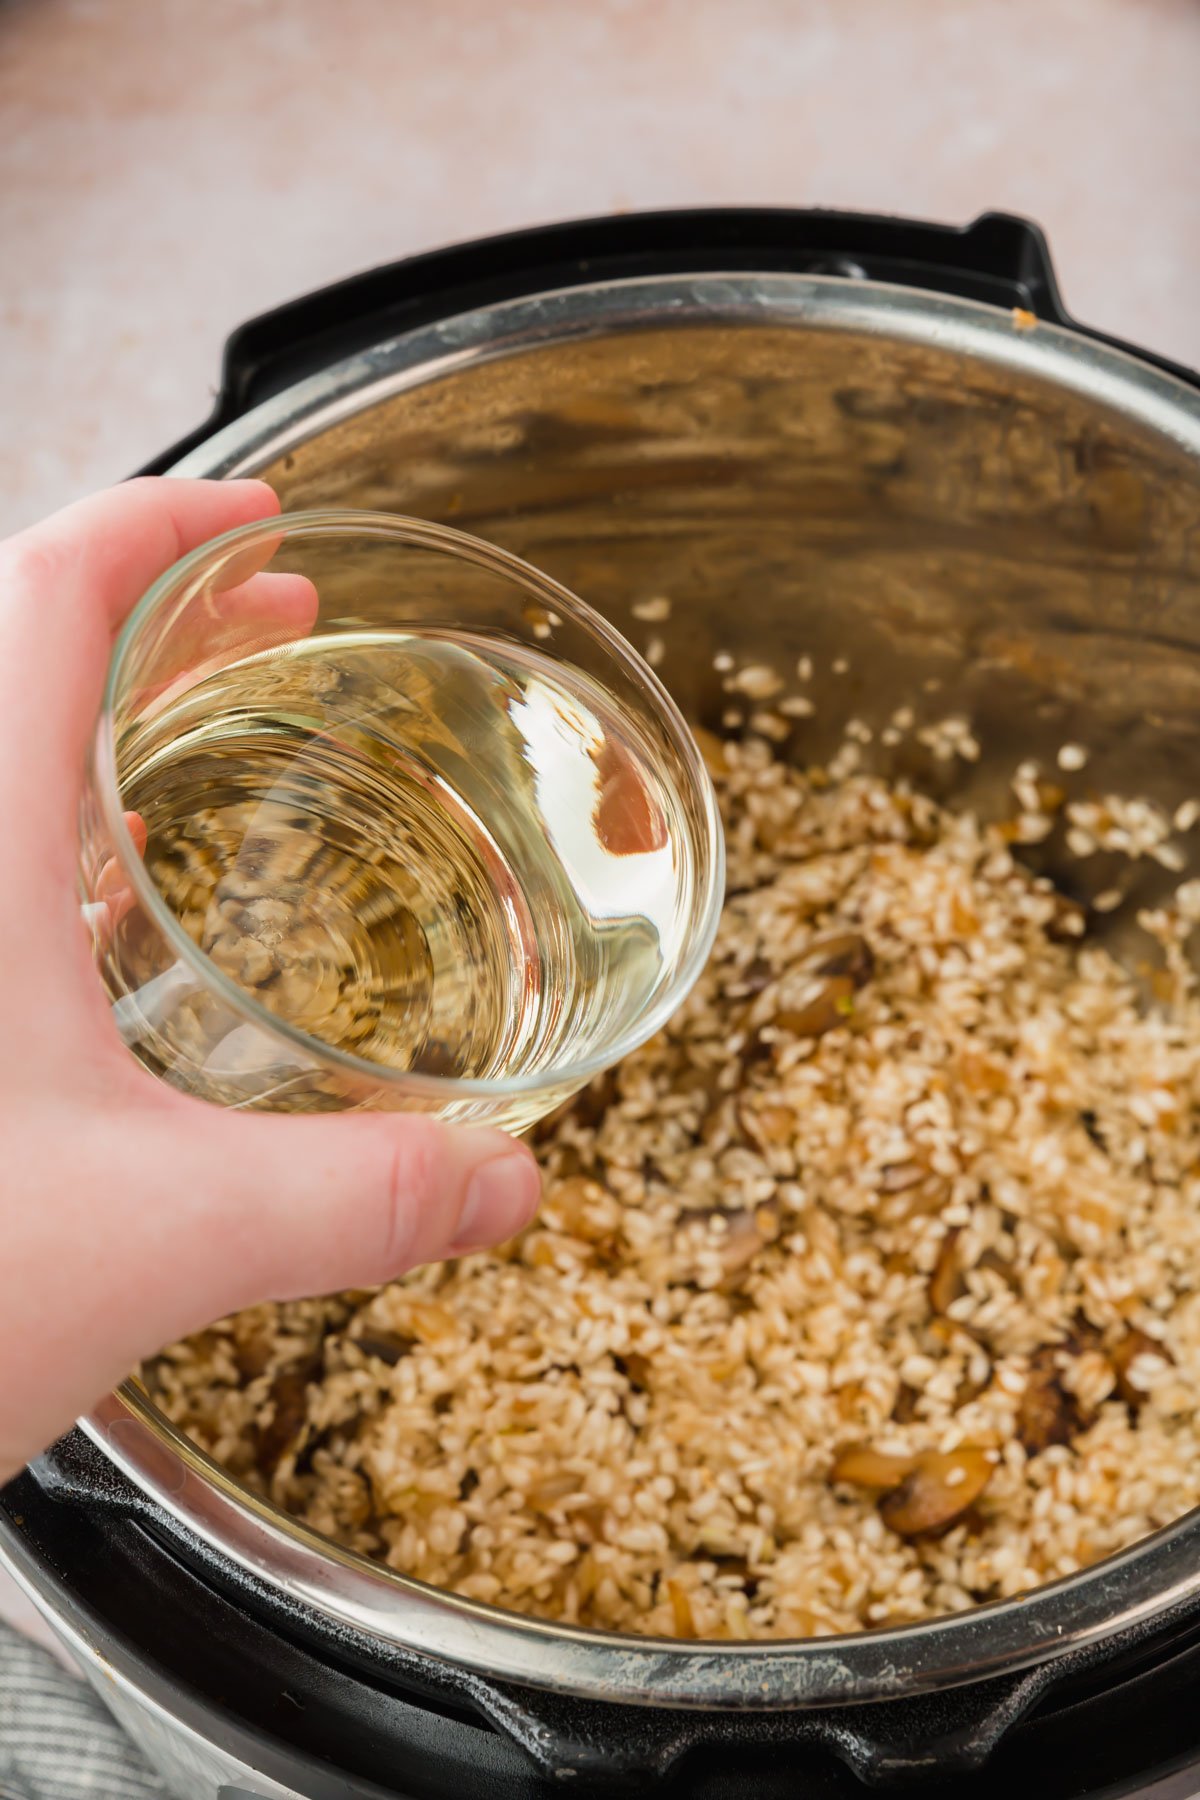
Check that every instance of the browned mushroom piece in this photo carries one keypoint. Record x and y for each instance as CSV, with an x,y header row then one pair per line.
x,y
844,953
860,1466
921,1495
972,1385
388,1347
1067,923
681,1610
999,1265
252,1353
1047,1413
1125,1353
757,976
636,1368
947,1283
740,1243
937,1491
289,1401
821,1005
904,1408
741,1234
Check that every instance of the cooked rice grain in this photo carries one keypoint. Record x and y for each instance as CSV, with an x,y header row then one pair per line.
x,y
910,1185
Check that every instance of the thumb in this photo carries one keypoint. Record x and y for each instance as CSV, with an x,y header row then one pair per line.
x,y
177,1213
271,1207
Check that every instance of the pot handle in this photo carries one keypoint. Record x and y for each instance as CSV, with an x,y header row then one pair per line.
x,y
1120,1682
886,1746
629,1750
998,258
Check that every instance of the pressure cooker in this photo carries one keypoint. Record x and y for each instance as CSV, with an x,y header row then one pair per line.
x,y
820,434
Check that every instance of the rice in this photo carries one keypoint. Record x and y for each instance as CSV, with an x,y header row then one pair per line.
x,y
863,1293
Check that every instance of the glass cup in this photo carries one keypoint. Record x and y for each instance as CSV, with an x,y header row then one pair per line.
x,y
378,816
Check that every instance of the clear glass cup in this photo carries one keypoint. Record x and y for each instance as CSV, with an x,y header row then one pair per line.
x,y
379,816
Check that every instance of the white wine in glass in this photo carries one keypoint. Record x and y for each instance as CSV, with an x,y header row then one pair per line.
x,y
419,829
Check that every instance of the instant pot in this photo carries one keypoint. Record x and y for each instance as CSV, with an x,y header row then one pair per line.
x,y
818,434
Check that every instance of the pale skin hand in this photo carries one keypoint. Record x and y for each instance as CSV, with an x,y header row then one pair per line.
x,y
129,1214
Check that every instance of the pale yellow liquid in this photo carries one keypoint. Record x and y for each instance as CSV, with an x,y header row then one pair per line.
x,y
441,854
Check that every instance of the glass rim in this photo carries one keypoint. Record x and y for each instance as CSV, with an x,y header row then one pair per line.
x,y
424,534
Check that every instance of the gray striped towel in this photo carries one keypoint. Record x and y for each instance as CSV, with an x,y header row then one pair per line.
x,y
56,1740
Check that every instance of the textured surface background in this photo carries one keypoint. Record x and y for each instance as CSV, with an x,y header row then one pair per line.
x,y
168,169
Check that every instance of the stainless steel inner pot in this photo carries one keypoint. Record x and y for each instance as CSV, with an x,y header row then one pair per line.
x,y
983,515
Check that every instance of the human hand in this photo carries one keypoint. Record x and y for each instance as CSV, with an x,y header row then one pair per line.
x,y
132,1214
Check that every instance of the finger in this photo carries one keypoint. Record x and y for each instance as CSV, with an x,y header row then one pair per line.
x,y
257,615
217,628
112,881
67,582
226,1209
218,1211
114,896
317,1203
104,552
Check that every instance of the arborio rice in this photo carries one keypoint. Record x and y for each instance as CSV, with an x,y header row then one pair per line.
x,y
863,1293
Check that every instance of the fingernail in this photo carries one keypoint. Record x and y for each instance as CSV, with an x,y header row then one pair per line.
x,y
502,1197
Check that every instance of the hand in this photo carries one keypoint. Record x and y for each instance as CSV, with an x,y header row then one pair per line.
x,y
130,1214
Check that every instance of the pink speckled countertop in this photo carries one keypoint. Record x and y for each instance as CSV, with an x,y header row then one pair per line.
x,y
168,168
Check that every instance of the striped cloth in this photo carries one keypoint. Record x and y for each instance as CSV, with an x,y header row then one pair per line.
x,y
56,1740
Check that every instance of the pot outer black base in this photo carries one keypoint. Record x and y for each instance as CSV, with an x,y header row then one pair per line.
x,y
329,1716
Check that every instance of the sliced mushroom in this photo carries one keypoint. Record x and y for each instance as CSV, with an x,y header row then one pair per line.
x,y
904,1408
938,1490
741,1236
947,1283
1047,1414
636,1369
1067,923
289,1400
252,1355
389,1347
970,1388
820,1006
1132,1346
999,1265
845,953
1090,1121
860,1466
757,975
918,1495
745,1237
681,1610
